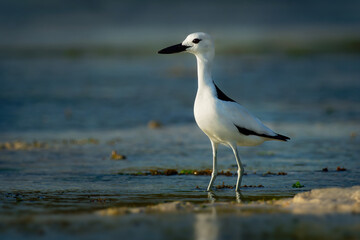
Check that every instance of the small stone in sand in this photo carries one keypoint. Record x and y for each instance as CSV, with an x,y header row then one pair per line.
x,y
116,156
340,169
154,124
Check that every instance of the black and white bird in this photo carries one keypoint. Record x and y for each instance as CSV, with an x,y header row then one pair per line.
x,y
222,119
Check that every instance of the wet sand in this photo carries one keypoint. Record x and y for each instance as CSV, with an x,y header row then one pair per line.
x,y
299,217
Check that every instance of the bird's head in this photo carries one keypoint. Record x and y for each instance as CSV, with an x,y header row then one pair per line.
x,y
199,44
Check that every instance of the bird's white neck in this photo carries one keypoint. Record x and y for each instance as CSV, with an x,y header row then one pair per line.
x,y
204,66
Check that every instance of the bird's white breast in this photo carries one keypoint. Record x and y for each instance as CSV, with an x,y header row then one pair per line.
x,y
217,119
204,109
207,112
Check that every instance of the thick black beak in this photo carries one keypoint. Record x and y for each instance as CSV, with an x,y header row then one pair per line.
x,y
173,49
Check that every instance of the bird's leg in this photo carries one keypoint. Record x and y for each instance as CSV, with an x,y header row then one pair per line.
x,y
214,172
211,196
240,170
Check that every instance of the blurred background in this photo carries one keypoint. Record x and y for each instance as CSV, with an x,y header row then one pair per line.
x,y
94,64
88,108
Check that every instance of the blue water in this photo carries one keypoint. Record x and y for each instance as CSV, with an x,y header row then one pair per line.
x,y
314,100
65,94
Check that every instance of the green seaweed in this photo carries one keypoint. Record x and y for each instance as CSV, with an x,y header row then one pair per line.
x,y
186,172
297,185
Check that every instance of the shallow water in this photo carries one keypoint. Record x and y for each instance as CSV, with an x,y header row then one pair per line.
x,y
111,93
312,99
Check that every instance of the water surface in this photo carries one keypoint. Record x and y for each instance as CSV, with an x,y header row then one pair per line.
x,y
83,109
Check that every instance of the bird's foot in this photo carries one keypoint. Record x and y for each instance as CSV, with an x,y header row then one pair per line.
x,y
239,197
211,196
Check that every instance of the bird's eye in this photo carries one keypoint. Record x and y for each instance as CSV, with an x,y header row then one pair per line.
x,y
196,40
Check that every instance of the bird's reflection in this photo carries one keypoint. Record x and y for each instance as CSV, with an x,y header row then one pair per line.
x,y
211,197
206,224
